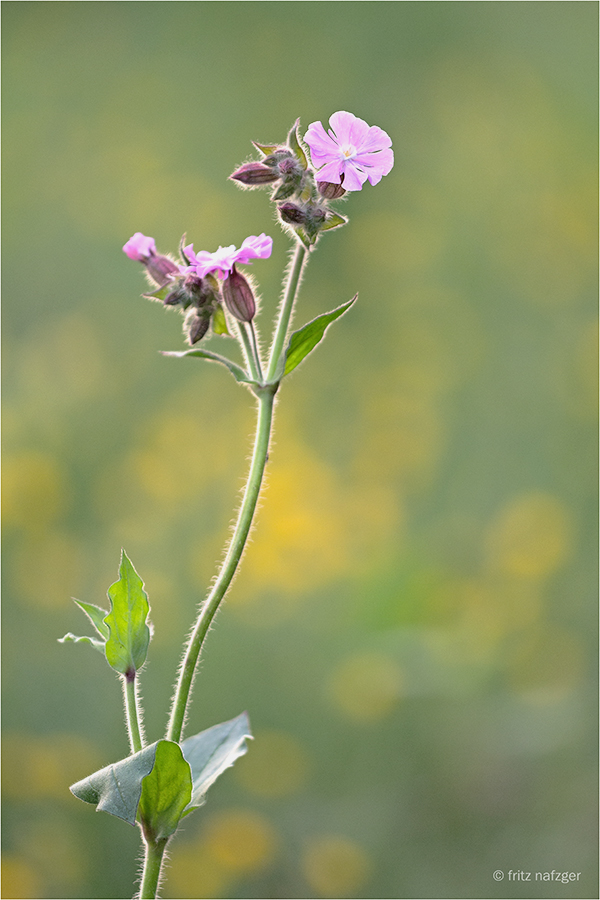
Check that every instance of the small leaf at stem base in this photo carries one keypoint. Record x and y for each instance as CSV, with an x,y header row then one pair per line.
x,y
127,645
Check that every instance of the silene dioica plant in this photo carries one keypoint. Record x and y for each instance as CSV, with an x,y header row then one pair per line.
x,y
160,783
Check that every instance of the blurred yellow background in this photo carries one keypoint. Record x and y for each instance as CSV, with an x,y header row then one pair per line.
x,y
414,628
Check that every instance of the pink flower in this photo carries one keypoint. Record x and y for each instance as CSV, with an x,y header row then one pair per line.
x,y
351,152
223,260
140,247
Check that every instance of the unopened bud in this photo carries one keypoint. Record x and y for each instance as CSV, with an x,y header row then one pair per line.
x,y
196,327
330,191
238,297
292,214
161,269
255,174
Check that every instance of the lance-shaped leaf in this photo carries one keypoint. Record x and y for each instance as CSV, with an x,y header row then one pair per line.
x,y
117,788
96,616
307,338
70,638
127,645
166,791
333,221
160,293
238,373
295,145
265,148
212,751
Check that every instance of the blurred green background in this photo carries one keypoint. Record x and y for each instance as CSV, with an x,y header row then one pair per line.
x,y
414,628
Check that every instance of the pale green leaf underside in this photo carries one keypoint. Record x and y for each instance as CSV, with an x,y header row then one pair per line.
x,y
212,751
238,373
117,788
165,781
306,339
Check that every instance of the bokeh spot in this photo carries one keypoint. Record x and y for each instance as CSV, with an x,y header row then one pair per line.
x,y
531,537
277,765
366,686
335,866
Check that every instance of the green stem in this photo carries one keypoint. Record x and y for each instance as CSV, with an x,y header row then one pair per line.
x,y
132,714
234,553
266,398
255,349
152,866
251,351
287,305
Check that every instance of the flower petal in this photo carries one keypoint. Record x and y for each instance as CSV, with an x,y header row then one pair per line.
x,y
354,178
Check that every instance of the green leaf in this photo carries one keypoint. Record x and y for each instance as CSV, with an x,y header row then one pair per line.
x,y
127,645
265,148
96,615
295,145
161,293
182,250
212,751
84,639
238,373
219,322
307,338
304,237
285,190
117,788
333,221
166,791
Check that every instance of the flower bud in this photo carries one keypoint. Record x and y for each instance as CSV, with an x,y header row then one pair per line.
x,y
196,327
292,214
330,191
160,269
255,174
238,297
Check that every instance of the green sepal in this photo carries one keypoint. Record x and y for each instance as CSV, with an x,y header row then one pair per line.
x,y
285,190
238,373
306,339
82,639
127,645
219,322
166,792
266,148
212,751
96,615
161,293
333,221
303,237
182,251
295,145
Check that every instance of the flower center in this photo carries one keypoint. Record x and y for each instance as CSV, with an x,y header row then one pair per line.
x,y
348,150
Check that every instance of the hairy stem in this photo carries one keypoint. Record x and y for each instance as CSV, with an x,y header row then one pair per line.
x,y
287,305
152,866
250,350
234,553
132,714
266,399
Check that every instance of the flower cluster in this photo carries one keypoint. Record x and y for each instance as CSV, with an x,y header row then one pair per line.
x,y
343,159
203,282
303,183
